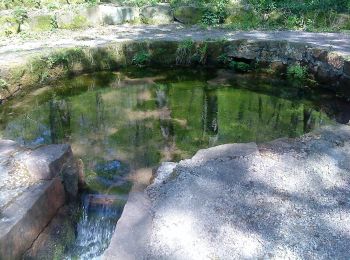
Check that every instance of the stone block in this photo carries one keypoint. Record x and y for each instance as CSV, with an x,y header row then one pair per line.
x,y
25,219
112,15
188,14
157,14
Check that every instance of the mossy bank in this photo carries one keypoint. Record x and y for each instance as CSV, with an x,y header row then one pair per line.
x,y
328,69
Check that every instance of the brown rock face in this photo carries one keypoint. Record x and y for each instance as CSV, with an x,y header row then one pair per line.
x,y
24,220
35,185
56,236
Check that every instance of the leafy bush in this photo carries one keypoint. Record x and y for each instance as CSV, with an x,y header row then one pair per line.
x,y
297,72
200,55
308,15
210,18
141,58
215,13
3,84
224,59
20,15
184,52
239,66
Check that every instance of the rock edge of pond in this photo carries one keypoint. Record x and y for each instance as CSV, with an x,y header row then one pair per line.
x,y
287,198
36,64
36,184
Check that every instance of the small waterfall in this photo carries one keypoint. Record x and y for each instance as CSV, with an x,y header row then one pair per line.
x,y
95,228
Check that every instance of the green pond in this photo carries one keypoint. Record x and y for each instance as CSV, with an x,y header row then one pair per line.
x,y
122,124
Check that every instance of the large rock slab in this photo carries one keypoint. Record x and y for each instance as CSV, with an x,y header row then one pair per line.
x,y
35,184
284,199
188,14
157,14
112,15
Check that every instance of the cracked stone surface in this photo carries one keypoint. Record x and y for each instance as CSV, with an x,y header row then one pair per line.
x,y
287,199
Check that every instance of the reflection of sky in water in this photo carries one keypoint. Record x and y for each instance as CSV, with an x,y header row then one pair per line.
x,y
108,166
142,124
120,127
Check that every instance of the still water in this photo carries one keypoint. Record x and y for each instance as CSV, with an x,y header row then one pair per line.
x,y
121,124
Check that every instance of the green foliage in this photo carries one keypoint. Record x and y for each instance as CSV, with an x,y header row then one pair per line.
x,y
239,66
141,58
301,6
53,22
297,72
224,59
216,12
3,84
308,15
20,15
184,52
210,18
65,58
244,20
79,21
201,54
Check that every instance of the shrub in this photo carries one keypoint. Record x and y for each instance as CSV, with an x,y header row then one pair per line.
x,y
20,15
215,13
141,58
239,66
3,84
201,54
297,72
184,52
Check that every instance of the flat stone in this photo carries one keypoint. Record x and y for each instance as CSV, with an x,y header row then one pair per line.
x,y
283,199
225,150
133,228
45,162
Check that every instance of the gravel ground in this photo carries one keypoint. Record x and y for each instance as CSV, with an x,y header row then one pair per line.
x,y
13,50
288,199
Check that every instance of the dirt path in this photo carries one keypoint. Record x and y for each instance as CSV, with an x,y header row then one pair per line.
x,y
14,50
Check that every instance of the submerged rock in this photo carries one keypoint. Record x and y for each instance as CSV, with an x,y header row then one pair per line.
x,y
283,199
35,184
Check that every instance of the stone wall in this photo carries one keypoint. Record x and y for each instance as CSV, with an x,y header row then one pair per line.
x,y
35,185
82,16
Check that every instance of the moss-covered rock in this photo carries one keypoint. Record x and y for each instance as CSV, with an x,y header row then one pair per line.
x,y
42,23
188,14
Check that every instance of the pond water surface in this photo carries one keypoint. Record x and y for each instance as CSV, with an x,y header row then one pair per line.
x,y
122,124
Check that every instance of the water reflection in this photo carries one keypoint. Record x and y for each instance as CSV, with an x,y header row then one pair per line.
x,y
166,116
210,114
121,127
